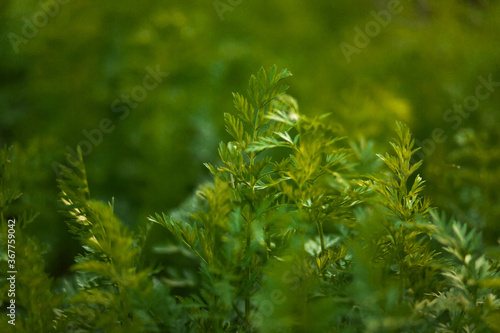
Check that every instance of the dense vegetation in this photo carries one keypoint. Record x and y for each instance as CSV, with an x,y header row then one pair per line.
x,y
301,230
142,88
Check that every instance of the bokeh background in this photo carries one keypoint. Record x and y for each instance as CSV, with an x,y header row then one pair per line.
x,y
64,63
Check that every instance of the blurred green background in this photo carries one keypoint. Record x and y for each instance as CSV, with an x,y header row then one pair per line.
x,y
67,65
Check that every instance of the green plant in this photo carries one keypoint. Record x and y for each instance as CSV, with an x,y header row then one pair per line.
x,y
292,228
110,276
32,293
300,230
110,291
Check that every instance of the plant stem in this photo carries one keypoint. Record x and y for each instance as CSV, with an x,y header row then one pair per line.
x,y
321,236
249,272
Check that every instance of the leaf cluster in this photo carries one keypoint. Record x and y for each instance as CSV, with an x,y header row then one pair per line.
x,y
300,230
295,226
